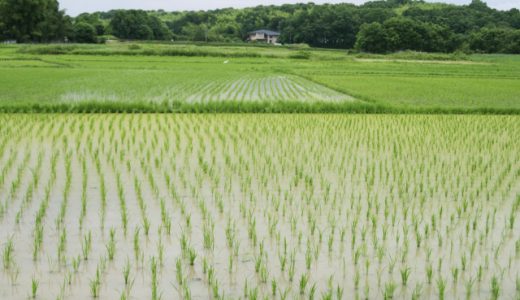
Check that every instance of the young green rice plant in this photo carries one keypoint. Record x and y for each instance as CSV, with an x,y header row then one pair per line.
x,y
469,287
389,290
308,258
76,261
455,274
303,283
136,243
62,245
126,273
208,237
146,226
340,290
429,273
312,292
274,287
283,261
495,288
111,246
192,255
153,268
8,254
441,288
179,272
186,292
34,287
86,245
160,252
357,278
405,274
38,241
263,273
94,285
517,286
479,273
417,292
292,264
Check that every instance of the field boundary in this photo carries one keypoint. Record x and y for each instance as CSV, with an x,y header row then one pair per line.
x,y
282,107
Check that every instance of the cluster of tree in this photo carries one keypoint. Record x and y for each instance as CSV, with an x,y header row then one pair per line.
x,y
376,26
32,20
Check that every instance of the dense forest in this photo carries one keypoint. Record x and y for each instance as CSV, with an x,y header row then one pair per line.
x,y
377,26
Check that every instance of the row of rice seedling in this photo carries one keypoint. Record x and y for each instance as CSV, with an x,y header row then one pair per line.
x,y
259,206
266,88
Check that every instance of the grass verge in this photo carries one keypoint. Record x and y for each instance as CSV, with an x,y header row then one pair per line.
x,y
243,107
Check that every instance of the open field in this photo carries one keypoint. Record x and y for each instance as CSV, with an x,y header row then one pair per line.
x,y
146,206
195,78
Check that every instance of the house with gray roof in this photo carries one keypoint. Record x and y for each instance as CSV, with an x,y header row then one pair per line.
x,y
264,36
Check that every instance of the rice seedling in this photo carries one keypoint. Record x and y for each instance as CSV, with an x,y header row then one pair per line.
x,y
441,288
389,290
303,283
86,245
405,274
469,287
192,255
94,285
111,246
34,287
495,288
153,268
8,254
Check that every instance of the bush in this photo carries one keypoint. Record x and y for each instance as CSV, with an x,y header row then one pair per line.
x,y
301,55
134,47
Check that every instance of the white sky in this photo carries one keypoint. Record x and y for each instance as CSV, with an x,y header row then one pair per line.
x,y
75,7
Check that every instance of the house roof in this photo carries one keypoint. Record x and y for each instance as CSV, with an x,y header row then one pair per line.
x,y
265,31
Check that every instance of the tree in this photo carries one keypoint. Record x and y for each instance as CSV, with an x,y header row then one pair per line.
x,y
403,34
84,33
92,19
372,38
496,40
138,25
159,29
195,32
32,20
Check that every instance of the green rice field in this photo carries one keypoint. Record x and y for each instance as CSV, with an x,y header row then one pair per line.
x,y
112,78
151,206
200,171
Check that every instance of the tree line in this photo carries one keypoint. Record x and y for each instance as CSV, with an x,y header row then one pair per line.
x,y
376,26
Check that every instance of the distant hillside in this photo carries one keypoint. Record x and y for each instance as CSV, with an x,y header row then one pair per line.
x,y
378,26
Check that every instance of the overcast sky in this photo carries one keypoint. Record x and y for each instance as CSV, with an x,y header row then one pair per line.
x,y
74,7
